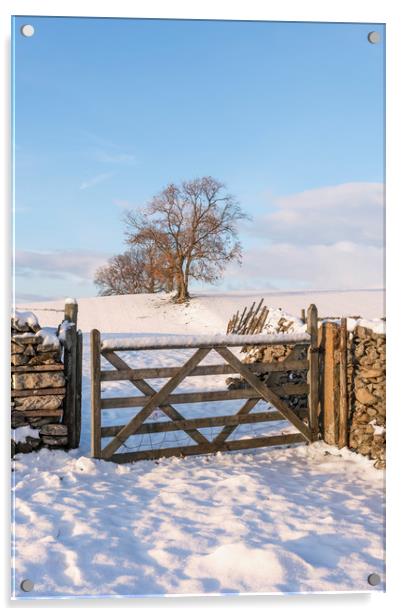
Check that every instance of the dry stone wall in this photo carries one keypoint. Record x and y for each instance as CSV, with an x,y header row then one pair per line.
x,y
277,353
367,394
37,386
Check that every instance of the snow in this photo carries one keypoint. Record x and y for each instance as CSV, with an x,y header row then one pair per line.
x,y
298,519
181,342
23,318
291,321
284,519
378,326
206,313
64,326
378,430
20,434
70,300
49,336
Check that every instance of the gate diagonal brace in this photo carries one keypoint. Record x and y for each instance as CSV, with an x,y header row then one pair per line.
x,y
265,392
245,410
156,401
227,430
146,389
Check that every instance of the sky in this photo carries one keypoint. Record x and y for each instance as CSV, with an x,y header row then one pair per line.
x,y
290,116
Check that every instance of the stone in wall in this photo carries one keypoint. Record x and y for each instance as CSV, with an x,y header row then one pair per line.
x,y
16,348
19,359
38,380
24,322
31,403
47,358
367,394
54,435
18,419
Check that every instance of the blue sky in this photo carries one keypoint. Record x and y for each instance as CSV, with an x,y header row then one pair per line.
x,y
288,115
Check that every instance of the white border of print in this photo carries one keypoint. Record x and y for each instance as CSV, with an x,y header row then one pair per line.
x,y
370,11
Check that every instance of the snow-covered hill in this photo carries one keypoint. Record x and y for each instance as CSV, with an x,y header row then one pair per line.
x,y
205,313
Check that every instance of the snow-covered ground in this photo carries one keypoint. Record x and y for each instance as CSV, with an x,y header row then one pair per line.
x,y
294,519
206,313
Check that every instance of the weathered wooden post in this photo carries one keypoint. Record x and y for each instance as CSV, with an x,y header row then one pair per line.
x,y
71,311
313,372
343,385
95,394
329,394
78,391
72,373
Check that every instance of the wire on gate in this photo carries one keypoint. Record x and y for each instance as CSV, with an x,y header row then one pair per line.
x,y
155,446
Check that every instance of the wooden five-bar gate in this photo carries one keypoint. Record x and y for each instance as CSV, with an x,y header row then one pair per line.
x,y
305,422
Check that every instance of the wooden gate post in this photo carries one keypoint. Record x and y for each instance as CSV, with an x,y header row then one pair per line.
x,y
71,311
78,393
95,394
70,373
73,374
313,372
329,394
343,385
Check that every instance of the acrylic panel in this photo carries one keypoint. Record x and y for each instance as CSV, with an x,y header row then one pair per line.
x,y
198,328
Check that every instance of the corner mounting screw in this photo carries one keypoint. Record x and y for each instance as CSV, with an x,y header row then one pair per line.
x,y
27,585
27,30
373,37
374,579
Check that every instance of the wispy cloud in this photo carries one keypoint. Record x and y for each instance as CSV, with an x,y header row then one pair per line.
x,y
34,297
114,157
342,265
96,179
106,151
325,238
79,266
98,140
353,212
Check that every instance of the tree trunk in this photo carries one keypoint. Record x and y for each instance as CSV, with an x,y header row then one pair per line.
x,y
182,287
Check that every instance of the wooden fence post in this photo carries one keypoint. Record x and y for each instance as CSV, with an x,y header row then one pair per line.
x,y
95,394
343,385
73,374
329,394
70,373
71,311
313,372
78,393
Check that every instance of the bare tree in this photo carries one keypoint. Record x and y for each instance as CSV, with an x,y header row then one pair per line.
x,y
194,225
142,269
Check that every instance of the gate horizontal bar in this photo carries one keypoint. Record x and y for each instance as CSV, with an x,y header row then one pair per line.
x,y
201,422
287,389
150,373
193,450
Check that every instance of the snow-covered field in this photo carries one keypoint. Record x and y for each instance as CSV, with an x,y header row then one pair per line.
x,y
206,313
295,519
